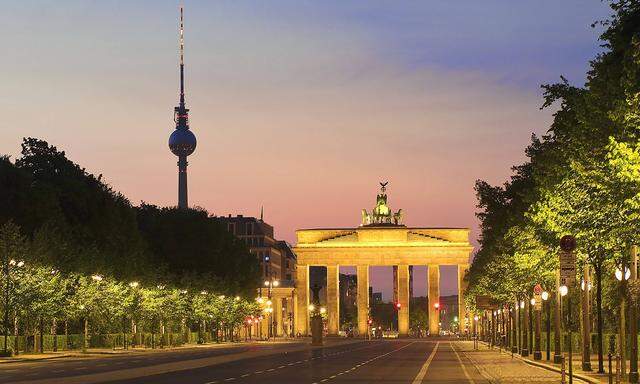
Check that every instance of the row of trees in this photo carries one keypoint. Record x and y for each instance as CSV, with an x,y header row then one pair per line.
x,y
581,178
78,255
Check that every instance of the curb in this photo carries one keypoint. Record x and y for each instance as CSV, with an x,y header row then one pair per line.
x,y
582,377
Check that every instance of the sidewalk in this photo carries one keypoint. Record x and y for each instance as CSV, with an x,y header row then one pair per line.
x,y
588,376
498,366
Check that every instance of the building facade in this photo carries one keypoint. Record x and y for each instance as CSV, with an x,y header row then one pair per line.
x,y
276,258
278,271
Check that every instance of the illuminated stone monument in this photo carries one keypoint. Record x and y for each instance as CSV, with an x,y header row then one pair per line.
x,y
381,239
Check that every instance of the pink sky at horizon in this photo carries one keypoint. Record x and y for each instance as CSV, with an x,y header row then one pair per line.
x,y
303,116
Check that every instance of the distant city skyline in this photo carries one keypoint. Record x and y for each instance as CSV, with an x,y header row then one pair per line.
x,y
299,107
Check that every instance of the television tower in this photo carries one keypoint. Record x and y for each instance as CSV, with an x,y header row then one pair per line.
x,y
182,141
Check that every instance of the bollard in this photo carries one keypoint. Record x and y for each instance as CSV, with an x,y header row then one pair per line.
x,y
563,373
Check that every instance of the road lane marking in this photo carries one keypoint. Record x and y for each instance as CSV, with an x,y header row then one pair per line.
x,y
464,369
367,362
425,366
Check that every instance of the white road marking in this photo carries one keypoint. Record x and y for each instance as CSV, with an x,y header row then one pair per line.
x,y
366,362
425,366
464,369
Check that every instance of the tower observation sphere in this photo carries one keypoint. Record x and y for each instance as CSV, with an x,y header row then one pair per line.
x,y
182,141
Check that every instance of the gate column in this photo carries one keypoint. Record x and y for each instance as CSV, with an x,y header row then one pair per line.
x,y
403,299
433,279
462,289
333,299
363,298
302,300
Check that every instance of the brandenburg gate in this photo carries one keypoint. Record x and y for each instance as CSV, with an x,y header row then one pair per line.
x,y
381,240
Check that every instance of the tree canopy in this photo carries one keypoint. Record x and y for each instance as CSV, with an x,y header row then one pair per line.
x,y
581,178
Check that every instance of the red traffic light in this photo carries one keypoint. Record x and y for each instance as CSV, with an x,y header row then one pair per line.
x,y
370,321
398,305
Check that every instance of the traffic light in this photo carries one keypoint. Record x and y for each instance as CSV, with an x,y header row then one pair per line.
x,y
398,306
370,321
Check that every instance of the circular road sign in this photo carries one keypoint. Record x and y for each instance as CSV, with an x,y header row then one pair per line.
x,y
568,243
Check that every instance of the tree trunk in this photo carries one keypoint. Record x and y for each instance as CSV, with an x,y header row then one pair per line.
x,y
15,333
85,338
66,333
54,332
41,336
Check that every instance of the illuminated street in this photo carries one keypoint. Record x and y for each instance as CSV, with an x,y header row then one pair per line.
x,y
391,361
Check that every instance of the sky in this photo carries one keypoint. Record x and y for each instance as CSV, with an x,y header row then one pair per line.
x,y
298,106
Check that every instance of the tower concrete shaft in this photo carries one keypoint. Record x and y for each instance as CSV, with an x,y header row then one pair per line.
x,y
183,200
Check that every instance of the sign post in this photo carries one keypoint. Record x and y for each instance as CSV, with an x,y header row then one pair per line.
x,y
567,279
537,306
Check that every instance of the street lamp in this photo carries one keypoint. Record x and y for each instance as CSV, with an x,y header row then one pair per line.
x,y
524,350
627,274
547,304
270,284
9,265
563,290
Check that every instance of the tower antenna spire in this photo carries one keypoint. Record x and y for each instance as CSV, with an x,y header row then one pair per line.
x,y
181,56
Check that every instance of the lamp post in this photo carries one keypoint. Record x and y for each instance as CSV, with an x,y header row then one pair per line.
x,y
525,318
270,284
537,354
9,264
557,324
475,332
633,322
514,329
564,290
598,271
586,329
547,302
622,278
521,335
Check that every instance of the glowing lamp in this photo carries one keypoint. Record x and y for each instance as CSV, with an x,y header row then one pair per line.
x,y
563,290
627,274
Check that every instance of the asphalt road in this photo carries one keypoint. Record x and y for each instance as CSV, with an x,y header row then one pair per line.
x,y
397,361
